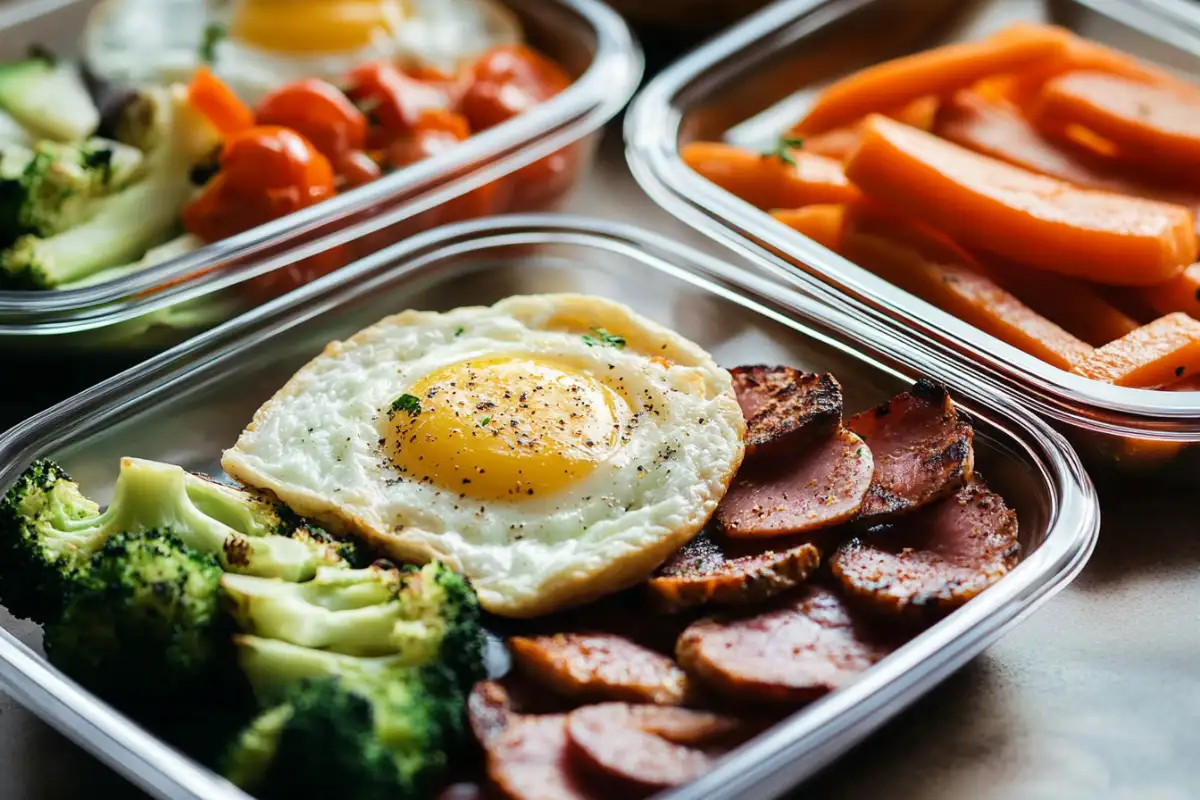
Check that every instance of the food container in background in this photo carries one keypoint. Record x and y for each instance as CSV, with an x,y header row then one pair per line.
x,y
185,405
751,83
126,319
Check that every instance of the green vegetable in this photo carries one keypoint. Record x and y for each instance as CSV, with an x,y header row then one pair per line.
x,y
49,529
604,339
213,35
49,99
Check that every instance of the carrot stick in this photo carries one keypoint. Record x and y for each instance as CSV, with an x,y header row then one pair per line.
x,y
1179,294
1045,223
791,179
213,98
958,290
838,143
1073,304
939,72
1154,354
821,223
1145,123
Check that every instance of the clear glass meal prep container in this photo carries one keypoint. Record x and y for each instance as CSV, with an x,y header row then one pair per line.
x,y
752,82
187,404
134,316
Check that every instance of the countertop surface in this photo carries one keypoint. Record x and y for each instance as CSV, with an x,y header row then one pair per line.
x,y
1095,696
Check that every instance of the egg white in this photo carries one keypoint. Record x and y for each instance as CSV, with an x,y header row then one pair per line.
x,y
316,446
157,42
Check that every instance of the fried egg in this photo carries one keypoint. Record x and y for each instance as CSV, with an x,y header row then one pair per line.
x,y
552,448
259,45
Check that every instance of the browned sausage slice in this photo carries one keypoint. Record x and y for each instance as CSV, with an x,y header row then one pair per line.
x,y
798,651
526,755
935,560
786,408
822,485
712,568
600,666
922,448
647,748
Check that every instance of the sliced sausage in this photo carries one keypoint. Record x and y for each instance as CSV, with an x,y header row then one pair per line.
x,y
600,666
644,749
795,652
922,448
935,560
821,486
785,408
526,755
712,568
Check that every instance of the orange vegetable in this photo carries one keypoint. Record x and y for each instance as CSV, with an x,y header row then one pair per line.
x,y
821,223
319,112
395,100
1144,123
1179,294
507,81
209,95
769,181
1073,304
939,72
1165,350
434,132
266,173
838,143
926,267
1030,219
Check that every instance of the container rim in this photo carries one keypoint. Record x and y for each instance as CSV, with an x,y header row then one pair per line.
x,y
592,99
766,766
652,129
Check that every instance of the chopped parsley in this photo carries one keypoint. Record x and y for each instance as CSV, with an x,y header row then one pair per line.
x,y
483,423
459,331
407,402
604,339
783,149
213,34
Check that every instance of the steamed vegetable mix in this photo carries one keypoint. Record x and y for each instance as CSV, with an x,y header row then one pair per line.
x,y
89,192
1039,186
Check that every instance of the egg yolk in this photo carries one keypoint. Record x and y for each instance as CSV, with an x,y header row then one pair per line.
x,y
504,428
313,26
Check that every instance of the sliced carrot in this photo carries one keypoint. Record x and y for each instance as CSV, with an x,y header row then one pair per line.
x,y
770,181
1031,219
1154,354
821,223
1145,123
1074,304
1179,294
838,143
920,113
213,98
937,72
960,291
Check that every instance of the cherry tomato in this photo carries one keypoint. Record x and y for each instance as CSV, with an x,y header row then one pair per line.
x,y
356,168
319,112
508,81
266,173
436,132
392,100
281,281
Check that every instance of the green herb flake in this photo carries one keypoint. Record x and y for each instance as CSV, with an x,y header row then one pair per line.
x,y
859,453
783,149
407,402
483,423
213,34
603,339
458,331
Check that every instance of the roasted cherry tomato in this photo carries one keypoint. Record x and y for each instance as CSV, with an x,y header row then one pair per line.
x,y
392,100
266,173
437,131
281,281
319,112
508,81
356,168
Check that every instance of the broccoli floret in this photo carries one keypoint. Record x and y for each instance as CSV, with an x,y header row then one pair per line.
x,y
48,528
402,617
143,621
57,185
120,227
389,738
